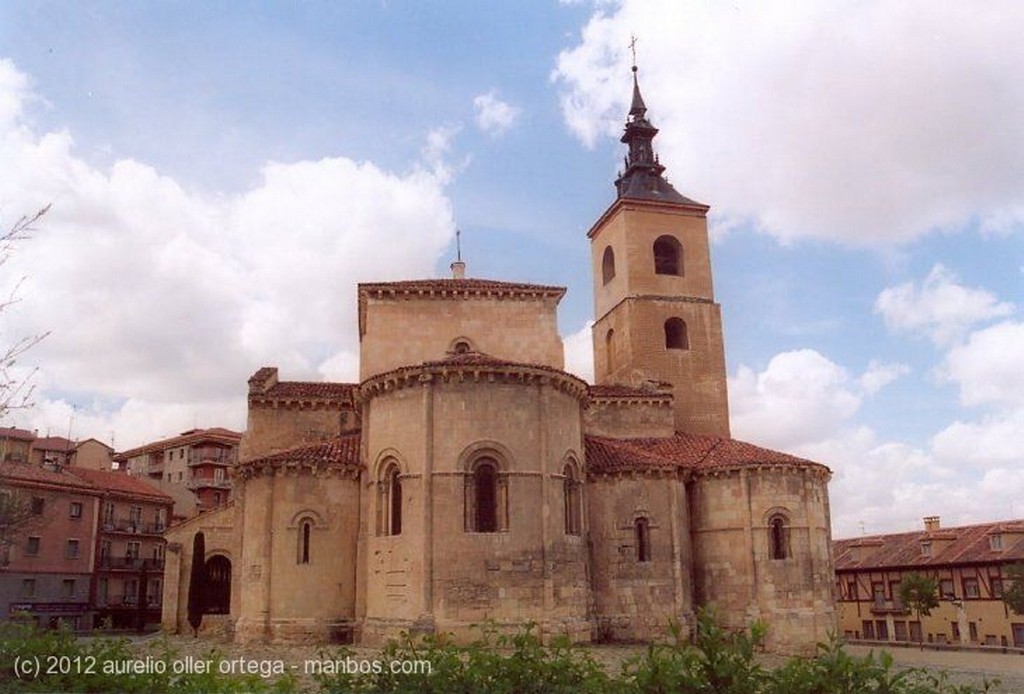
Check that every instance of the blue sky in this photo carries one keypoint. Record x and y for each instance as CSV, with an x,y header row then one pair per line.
x,y
222,175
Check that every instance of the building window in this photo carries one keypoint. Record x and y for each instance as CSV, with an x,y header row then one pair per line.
x,y
76,509
389,499
995,542
28,587
486,497
38,504
32,545
946,589
608,265
778,538
67,588
571,491
132,550
997,587
668,256
108,512
103,591
642,536
72,549
851,590
675,334
926,548
305,530
971,588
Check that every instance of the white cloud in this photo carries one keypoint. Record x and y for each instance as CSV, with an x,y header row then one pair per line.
x,y
579,353
989,366
880,375
993,441
868,123
162,300
493,115
941,307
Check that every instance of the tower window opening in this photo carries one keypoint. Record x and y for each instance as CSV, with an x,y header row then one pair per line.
x,y
668,256
609,354
608,265
778,538
642,532
676,336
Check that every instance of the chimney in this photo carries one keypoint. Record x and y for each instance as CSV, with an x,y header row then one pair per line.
x,y
931,523
459,270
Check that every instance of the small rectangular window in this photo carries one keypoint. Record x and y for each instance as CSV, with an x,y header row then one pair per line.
x,y
28,587
67,588
946,591
76,509
38,503
72,549
995,542
971,588
32,546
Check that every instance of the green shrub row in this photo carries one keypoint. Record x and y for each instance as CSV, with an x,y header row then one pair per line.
x,y
715,662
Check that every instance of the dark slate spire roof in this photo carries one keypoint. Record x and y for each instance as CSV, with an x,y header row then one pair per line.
x,y
642,178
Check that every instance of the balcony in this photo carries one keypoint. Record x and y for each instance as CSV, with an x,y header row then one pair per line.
x,y
224,458
207,483
127,601
895,607
127,563
132,527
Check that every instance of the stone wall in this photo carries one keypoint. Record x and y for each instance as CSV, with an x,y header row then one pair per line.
x,y
735,570
637,599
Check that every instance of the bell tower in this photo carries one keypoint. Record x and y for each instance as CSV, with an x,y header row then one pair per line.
x,y
655,310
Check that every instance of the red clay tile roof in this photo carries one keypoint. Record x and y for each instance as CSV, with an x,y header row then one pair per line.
x,y
343,450
53,443
120,483
16,434
441,287
30,472
303,390
969,544
685,451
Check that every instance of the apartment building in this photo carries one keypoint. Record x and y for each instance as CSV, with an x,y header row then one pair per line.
x,y
201,460
90,548
969,564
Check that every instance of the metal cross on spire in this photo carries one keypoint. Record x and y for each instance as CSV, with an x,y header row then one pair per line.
x,y
632,48
458,245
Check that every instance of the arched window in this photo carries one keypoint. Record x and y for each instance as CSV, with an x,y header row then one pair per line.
x,y
486,497
608,265
642,531
218,577
571,493
462,347
778,538
676,336
389,499
305,530
668,256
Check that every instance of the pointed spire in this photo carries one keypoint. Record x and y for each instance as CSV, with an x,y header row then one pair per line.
x,y
637,109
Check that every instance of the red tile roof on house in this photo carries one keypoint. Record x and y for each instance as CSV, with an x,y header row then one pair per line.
x,y
120,483
16,434
36,474
965,544
685,452
53,443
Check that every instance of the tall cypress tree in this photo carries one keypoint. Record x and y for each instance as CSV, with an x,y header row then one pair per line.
x,y
197,584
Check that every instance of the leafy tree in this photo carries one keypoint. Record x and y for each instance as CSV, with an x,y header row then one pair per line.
x,y
197,584
921,594
1013,588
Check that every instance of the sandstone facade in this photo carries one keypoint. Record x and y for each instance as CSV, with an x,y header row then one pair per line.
x,y
467,479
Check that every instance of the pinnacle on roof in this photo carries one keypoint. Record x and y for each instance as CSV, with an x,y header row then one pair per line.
x,y
642,178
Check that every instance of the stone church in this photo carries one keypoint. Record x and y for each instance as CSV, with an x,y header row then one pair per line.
x,y
467,478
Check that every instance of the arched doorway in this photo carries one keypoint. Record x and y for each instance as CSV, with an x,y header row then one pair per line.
x,y
218,577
